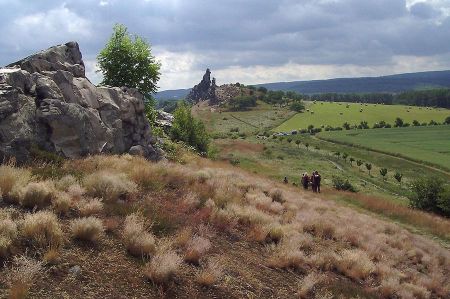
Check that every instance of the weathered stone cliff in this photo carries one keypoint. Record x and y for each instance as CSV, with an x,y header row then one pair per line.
x,y
47,102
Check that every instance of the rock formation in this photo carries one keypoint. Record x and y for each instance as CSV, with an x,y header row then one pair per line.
x,y
46,102
204,91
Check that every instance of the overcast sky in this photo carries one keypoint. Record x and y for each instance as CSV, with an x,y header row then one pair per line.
x,y
247,41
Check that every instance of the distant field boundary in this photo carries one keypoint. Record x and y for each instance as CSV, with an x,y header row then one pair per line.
x,y
430,165
247,123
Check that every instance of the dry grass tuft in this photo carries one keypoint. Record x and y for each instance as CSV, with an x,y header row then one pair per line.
x,y
64,183
37,194
87,229
22,276
163,266
61,203
109,185
43,229
309,282
8,234
90,207
355,264
12,178
277,195
51,256
76,192
211,274
138,241
196,248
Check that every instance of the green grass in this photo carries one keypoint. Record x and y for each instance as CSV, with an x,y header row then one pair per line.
x,y
429,144
263,117
326,113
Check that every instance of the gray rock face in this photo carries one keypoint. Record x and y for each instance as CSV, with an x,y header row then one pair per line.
x,y
47,102
204,91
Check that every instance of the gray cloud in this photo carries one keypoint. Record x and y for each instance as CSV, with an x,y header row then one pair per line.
x,y
239,34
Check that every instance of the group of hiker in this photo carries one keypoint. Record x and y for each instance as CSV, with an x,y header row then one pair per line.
x,y
313,180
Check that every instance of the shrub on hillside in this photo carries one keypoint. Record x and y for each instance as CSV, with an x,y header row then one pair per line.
x,y
89,207
211,274
37,194
8,234
188,129
431,194
61,203
342,185
196,248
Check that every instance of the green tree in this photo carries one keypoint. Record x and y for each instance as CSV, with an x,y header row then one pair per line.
x,y
188,129
351,160
127,61
430,194
298,142
297,106
398,176
398,122
346,126
447,120
369,167
345,156
383,172
307,145
289,140
359,163
337,154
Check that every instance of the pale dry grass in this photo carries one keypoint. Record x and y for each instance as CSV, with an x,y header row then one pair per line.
x,y
163,266
8,234
196,248
64,183
355,264
90,206
61,203
308,283
211,274
109,185
22,275
88,229
12,177
36,194
42,229
137,239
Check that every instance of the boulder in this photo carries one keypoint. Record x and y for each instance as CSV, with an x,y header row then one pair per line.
x,y
47,102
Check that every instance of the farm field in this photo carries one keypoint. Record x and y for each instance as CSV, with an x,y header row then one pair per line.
x,y
429,144
335,114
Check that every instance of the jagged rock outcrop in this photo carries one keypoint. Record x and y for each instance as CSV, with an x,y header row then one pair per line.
x,y
46,102
204,91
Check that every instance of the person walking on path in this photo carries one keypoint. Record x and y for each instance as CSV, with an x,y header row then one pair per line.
x,y
313,182
305,181
318,178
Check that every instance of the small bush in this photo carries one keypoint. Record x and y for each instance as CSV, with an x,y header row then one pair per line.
x,y
43,229
90,207
309,282
87,229
109,186
196,249
65,182
430,194
22,276
163,266
341,184
138,241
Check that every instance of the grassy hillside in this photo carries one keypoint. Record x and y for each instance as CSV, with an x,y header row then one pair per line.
x,y
335,114
393,83
430,144
198,230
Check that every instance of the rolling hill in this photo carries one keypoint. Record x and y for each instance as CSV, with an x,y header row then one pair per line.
x,y
392,83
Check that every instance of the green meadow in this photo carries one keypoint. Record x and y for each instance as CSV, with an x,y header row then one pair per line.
x,y
335,114
430,144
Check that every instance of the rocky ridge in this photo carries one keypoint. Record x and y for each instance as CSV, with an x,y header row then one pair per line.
x,y
46,102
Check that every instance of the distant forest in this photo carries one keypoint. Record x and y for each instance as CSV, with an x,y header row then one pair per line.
x,y
431,98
